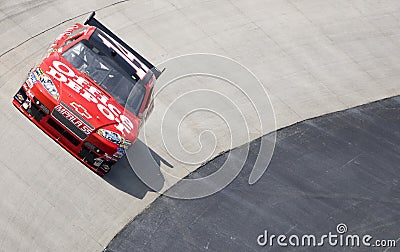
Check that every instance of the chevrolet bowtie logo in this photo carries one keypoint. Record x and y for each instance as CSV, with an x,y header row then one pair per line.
x,y
81,110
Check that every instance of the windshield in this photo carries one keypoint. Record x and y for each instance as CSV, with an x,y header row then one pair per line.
x,y
105,72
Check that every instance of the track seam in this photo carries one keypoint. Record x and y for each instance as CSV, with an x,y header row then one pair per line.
x,y
63,22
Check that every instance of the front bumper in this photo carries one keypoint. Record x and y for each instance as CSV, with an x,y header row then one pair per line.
x,y
91,150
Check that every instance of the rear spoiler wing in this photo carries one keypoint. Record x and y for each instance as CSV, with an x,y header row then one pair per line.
x,y
94,22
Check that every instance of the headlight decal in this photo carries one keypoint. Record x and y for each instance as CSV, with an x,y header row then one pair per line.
x,y
47,83
49,86
110,136
122,143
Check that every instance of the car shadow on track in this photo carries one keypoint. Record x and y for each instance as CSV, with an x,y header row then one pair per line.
x,y
142,160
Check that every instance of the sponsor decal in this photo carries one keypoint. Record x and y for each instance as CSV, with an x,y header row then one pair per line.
x,y
118,154
63,73
73,119
38,73
108,157
31,80
125,144
97,162
27,104
19,98
67,32
81,110
27,90
106,167
34,76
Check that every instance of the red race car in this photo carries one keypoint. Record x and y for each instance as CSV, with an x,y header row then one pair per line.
x,y
90,94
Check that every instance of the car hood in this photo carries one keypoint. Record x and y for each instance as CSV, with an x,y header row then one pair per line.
x,y
88,102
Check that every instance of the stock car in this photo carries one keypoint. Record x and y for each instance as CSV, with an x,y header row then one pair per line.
x,y
91,94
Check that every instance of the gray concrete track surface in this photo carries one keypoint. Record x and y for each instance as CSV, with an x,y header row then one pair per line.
x,y
334,169
313,57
